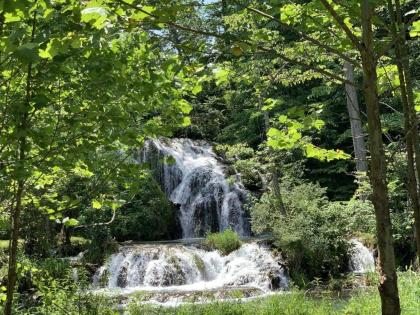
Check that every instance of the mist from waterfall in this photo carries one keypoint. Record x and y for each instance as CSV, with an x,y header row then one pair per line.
x,y
194,179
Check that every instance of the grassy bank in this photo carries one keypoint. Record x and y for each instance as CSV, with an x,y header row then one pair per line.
x,y
296,303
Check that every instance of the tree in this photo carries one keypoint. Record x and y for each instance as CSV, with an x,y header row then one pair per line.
x,y
388,282
355,121
410,117
388,288
73,76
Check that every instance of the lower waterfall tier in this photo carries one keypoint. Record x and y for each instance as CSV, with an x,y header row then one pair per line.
x,y
146,267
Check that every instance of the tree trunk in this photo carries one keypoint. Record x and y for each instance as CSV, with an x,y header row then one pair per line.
x,y
15,213
388,288
410,121
355,121
14,239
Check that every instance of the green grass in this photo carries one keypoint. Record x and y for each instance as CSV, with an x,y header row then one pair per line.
x,y
78,240
226,241
296,303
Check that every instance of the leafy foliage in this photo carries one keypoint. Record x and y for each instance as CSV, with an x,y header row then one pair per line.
x,y
226,241
313,233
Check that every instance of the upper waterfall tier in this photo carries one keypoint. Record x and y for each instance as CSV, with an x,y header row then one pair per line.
x,y
193,178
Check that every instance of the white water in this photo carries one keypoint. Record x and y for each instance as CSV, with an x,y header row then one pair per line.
x,y
193,178
361,258
180,268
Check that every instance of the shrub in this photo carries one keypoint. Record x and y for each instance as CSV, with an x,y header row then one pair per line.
x,y
312,235
226,241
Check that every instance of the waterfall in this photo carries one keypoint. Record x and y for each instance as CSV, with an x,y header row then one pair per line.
x,y
361,258
193,178
180,267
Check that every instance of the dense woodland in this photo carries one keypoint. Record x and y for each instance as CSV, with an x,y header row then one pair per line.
x,y
313,103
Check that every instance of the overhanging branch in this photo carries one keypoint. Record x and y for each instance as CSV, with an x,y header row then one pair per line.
x,y
308,38
343,25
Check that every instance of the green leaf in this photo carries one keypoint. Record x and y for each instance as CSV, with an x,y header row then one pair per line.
x,y
282,119
144,13
96,204
27,52
221,76
197,89
94,15
415,29
82,171
318,124
184,106
70,222
11,17
54,47
186,121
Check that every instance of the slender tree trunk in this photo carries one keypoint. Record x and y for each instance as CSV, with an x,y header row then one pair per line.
x,y
410,121
414,131
15,217
275,182
358,138
13,244
388,288
1,22
16,211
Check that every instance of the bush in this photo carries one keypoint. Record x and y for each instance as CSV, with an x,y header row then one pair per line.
x,y
226,241
312,235
49,286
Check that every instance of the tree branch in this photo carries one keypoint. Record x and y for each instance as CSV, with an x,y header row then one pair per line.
x,y
356,42
100,223
308,38
179,26
308,67
280,55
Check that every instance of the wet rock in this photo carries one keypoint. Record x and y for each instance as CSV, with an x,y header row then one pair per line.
x,y
276,282
122,277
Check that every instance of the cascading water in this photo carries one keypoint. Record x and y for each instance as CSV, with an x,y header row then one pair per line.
x,y
361,258
178,267
193,178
